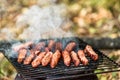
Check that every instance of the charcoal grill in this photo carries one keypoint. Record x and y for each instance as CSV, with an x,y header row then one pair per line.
x,y
61,72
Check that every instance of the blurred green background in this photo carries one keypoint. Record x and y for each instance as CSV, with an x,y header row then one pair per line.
x,y
90,18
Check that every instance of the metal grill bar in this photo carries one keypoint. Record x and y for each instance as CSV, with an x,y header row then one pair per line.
x,y
102,65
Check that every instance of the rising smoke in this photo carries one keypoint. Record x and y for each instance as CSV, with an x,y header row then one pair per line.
x,y
44,22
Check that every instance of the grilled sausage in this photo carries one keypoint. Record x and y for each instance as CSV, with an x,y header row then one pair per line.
x,y
47,58
51,44
66,57
21,55
38,59
46,49
30,57
38,47
55,58
82,57
17,48
58,46
25,45
75,58
91,52
70,46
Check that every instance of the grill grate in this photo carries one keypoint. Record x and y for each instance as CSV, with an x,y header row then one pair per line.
x,y
102,65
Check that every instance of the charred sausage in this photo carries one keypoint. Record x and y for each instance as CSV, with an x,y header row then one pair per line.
x,y
47,58
91,52
75,58
55,58
30,57
70,46
66,57
38,59
21,55
82,57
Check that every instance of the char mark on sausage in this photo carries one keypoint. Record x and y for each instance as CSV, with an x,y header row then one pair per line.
x,y
75,58
70,46
51,44
37,61
91,52
82,57
38,47
47,58
58,46
55,58
21,55
66,57
29,58
25,45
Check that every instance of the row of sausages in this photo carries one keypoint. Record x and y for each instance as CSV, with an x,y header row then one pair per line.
x,y
42,54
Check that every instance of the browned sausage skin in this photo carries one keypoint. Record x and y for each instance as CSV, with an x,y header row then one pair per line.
x,y
66,57
29,58
46,49
22,51
38,59
25,45
38,47
21,54
75,58
91,52
70,46
51,44
58,46
55,58
82,57
47,58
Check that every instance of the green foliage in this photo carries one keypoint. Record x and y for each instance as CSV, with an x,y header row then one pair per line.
x,y
1,72
16,7
6,69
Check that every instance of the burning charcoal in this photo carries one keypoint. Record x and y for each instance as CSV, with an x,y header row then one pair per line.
x,y
91,52
82,57
21,54
66,57
55,58
75,58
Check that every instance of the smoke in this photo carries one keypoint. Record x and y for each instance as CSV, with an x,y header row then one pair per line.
x,y
43,22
